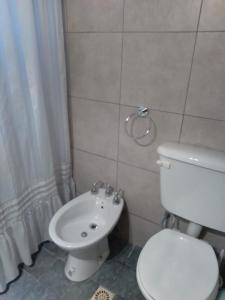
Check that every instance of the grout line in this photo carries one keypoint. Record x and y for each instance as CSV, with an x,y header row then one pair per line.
x,y
133,31
65,15
144,31
205,118
143,218
68,89
131,251
121,73
123,264
152,109
114,160
96,154
181,129
94,32
190,72
123,105
137,167
73,98
158,31
210,31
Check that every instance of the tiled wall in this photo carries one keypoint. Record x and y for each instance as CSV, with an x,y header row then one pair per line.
x,y
168,55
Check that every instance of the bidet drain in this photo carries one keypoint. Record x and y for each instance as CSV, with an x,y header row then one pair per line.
x,y
84,234
93,226
102,294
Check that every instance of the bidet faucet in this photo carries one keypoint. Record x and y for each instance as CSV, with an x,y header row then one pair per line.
x,y
96,186
108,190
117,197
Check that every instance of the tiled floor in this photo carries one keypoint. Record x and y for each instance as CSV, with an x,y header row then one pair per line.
x,y
45,280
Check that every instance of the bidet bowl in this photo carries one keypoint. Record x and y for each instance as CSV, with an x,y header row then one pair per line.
x,y
81,227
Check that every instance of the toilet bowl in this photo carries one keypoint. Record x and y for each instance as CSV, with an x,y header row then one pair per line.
x,y
175,266
81,227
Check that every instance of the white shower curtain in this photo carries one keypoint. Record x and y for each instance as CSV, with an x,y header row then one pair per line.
x,y
35,163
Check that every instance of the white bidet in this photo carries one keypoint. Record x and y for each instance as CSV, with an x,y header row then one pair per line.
x,y
81,227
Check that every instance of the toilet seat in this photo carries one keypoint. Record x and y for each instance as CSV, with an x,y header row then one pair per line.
x,y
175,266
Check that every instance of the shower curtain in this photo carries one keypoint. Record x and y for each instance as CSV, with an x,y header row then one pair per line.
x,y
35,163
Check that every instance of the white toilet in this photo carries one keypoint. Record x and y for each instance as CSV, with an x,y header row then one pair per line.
x,y
82,226
174,265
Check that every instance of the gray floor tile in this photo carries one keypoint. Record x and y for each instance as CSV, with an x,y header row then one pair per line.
x,y
121,255
55,280
126,284
54,249
19,288
107,274
40,292
119,279
118,298
129,257
46,279
42,263
126,254
81,291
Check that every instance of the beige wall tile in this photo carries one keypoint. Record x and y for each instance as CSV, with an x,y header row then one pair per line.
x,y
95,127
141,230
206,95
95,15
142,192
89,168
161,15
204,132
213,15
168,128
135,229
156,67
95,64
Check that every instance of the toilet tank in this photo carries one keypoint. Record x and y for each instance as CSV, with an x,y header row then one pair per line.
x,y
192,183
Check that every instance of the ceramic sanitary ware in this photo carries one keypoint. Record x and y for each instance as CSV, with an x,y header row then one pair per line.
x,y
175,265
81,227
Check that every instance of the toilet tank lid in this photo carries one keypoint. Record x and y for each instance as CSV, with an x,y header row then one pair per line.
x,y
195,155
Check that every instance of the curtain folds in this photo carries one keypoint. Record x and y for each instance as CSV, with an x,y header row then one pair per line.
x,y
35,162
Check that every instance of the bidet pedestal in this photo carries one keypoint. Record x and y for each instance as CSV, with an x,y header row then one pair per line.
x,y
81,264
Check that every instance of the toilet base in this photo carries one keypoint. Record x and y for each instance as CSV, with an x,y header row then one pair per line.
x,y
83,263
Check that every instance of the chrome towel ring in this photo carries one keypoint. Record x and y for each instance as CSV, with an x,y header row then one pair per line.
x,y
148,136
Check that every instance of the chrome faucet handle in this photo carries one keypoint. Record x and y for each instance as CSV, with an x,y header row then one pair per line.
x,y
108,190
118,197
96,186
121,193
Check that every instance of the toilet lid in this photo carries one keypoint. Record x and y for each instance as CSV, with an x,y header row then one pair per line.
x,y
175,266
